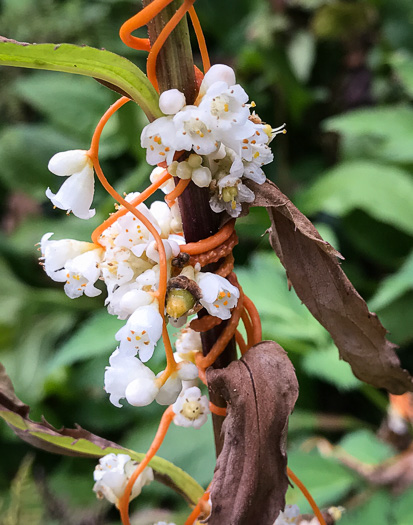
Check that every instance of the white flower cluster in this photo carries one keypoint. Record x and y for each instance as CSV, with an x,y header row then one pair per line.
x,y
127,261
112,475
229,144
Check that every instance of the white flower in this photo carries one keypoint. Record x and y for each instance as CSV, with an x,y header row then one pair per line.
x,y
218,294
171,101
288,516
125,299
73,262
189,341
129,378
164,523
55,254
261,155
191,408
76,193
231,193
248,144
169,392
217,73
112,475
158,138
156,174
81,274
141,332
193,132
225,106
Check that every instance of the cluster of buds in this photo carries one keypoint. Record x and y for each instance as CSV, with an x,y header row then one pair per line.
x,y
230,142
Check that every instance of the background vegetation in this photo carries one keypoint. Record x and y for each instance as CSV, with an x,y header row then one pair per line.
x,y
340,74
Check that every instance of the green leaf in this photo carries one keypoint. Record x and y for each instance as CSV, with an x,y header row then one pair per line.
x,y
325,364
384,192
365,446
25,504
403,508
88,61
402,63
28,171
284,318
377,510
326,480
62,99
95,337
394,286
384,133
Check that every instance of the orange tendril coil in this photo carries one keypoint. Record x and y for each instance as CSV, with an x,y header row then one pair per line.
x,y
205,323
255,320
196,248
215,254
248,327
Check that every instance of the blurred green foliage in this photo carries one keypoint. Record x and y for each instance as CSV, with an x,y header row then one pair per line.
x,y
340,74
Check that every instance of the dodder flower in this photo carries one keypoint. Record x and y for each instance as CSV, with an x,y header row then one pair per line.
x,y
112,475
191,408
219,296
73,262
76,193
141,332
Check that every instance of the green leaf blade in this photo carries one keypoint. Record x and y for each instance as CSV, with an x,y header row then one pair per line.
x,y
83,60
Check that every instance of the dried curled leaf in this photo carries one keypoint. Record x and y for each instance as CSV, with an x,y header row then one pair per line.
x,y
250,476
315,273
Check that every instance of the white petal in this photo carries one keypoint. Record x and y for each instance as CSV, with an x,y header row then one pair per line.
x,y
68,162
141,392
76,194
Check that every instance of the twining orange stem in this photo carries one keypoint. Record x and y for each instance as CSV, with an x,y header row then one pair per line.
x,y
195,248
94,146
255,319
171,364
240,342
123,504
93,154
248,327
219,411
139,20
135,202
171,197
206,64
307,495
198,508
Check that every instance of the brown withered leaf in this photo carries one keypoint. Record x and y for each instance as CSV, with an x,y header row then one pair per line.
x,y
8,398
316,275
250,477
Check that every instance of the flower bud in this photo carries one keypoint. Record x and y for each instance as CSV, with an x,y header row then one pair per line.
x,y
179,302
171,101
